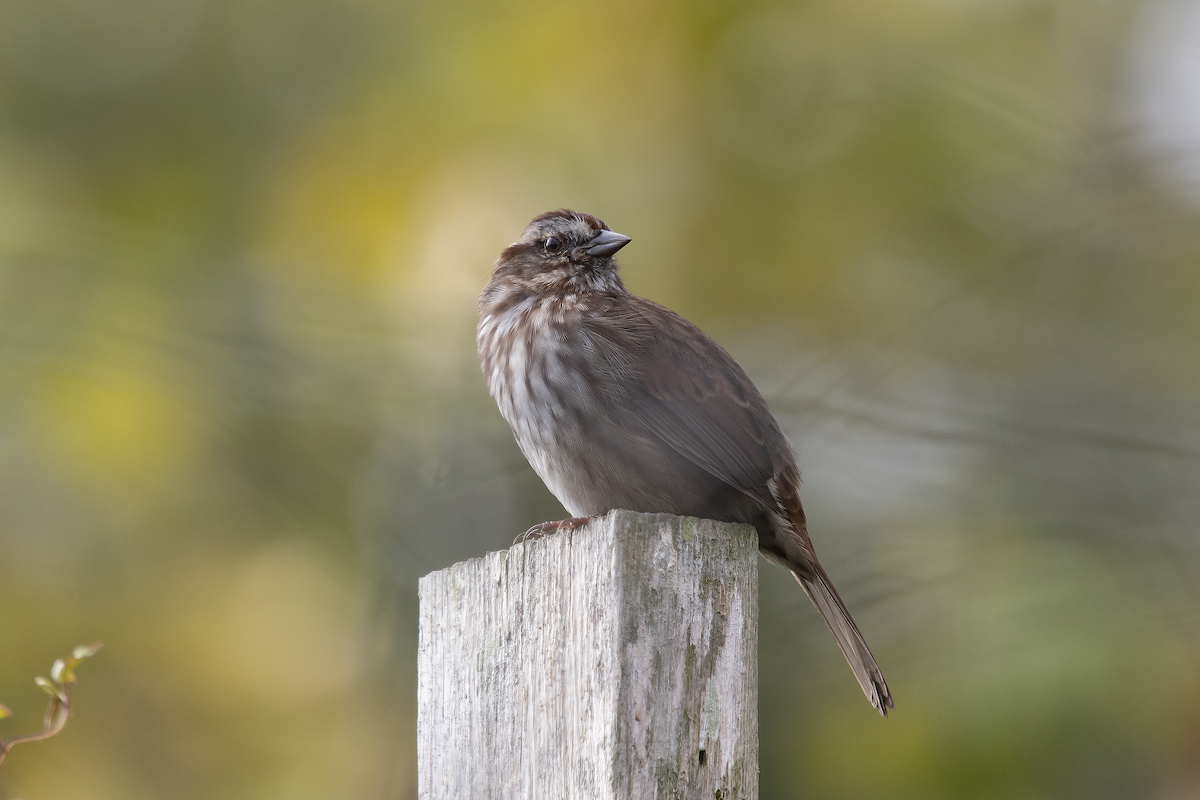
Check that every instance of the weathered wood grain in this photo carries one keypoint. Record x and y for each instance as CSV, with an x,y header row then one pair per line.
x,y
618,660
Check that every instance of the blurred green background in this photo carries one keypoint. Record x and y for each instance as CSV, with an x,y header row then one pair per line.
x,y
955,242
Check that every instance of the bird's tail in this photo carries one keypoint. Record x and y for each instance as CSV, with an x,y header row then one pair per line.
x,y
820,590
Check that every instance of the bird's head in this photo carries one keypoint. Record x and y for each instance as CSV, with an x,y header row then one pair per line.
x,y
562,253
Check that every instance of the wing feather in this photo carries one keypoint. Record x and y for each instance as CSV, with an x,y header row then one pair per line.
x,y
695,398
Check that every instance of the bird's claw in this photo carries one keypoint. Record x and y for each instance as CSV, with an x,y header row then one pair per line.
x,y
547,528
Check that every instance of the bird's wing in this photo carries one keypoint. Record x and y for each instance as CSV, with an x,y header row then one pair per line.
x,y
691,394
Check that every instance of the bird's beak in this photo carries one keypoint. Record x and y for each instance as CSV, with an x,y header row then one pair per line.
x,y
605,243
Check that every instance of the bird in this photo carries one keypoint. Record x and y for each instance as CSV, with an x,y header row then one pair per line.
x,y
619,402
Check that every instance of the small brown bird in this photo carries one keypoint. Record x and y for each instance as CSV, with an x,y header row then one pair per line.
x,y
618,402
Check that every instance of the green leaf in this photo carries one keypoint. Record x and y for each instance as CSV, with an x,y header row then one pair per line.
x,y
46,685
86,650
5,711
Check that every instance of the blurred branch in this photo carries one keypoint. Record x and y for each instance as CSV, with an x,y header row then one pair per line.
x,y
62,678
980,428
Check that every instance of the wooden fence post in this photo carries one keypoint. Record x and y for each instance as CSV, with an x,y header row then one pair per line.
x,y
619,660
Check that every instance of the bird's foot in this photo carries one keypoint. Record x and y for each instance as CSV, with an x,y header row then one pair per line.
x,y
547,528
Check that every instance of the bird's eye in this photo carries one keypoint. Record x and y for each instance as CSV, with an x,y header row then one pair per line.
x,y
552,244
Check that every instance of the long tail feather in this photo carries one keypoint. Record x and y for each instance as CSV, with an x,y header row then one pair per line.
x,y
820,590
